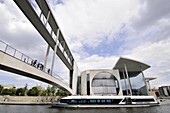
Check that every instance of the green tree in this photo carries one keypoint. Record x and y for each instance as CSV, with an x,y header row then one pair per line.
x,y
1,89
10,92
20,92
61,93
51,91
33,92
43,93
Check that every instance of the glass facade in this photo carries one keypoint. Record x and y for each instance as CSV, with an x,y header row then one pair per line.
x,y
104,83
137,83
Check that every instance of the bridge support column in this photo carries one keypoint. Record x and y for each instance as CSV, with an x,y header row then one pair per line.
x,y
71,79
55,50
48,48
46,57
71,75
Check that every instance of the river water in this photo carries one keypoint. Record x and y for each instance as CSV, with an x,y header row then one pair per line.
x,y
163,108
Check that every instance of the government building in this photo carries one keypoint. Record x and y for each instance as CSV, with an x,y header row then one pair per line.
x,y
126,78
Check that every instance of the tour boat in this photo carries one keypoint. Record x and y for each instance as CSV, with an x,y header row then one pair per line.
x,y
105,101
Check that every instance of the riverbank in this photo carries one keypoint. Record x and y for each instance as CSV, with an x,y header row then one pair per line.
x,y
26,103
164,97
28,100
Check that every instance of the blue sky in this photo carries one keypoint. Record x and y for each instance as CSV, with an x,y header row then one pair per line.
x,y
98,32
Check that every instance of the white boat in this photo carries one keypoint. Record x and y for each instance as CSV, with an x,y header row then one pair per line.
x,y
106,101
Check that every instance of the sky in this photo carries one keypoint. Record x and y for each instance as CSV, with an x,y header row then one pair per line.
x,y
98,32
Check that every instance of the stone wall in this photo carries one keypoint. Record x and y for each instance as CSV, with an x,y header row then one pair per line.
x,y
29,98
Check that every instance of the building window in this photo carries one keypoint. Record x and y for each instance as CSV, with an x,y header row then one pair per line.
x,y
105,84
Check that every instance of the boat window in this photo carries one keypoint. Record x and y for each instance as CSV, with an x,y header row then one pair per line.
x,y
73,101
102,101
92,101
108,101
143,100
82,101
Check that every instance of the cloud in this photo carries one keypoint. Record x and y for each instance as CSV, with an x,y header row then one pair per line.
x,y
150,13
97,62
89,22
98,32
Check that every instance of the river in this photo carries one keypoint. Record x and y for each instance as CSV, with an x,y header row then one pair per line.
x,y
163,108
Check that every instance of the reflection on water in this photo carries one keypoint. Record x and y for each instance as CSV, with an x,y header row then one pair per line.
x,y
164,108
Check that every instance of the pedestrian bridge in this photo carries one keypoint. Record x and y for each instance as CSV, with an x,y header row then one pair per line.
x,y
22,67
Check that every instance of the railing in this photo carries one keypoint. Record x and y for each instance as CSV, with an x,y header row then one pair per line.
x,y
22,57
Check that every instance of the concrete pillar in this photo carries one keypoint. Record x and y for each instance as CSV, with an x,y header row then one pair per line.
x,y
125,82
145,82
130,87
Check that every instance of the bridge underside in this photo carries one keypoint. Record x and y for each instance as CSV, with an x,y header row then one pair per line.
x,y
14,65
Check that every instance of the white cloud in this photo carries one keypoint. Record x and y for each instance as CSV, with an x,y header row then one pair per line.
x,y
97,62
89,21
151,12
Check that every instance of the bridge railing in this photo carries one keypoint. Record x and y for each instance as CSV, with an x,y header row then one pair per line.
x,y
22,57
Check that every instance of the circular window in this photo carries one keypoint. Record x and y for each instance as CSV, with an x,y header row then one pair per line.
x,y
105,83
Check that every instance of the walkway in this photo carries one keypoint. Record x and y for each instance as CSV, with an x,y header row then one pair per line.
x,y
14,61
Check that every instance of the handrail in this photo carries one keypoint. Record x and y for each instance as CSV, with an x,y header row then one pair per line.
x,y
4,47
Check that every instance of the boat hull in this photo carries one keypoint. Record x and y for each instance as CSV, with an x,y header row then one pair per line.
x,y
101,106
106,102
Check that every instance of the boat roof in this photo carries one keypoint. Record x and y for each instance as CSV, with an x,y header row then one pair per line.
x,y
105,97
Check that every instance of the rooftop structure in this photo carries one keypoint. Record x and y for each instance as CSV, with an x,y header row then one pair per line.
x,y
117,81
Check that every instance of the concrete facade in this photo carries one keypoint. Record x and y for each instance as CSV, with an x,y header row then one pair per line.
x,y
92,74
116,81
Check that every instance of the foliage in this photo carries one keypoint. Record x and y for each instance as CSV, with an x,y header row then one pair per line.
x,y
20,92
33,92
10,92
1,88
43,93
61,93
51,91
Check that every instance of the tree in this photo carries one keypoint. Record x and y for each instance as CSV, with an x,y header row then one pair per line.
x,y
53,90
1,88
33,92
61,93
49,91
10,92
20,92
43,93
